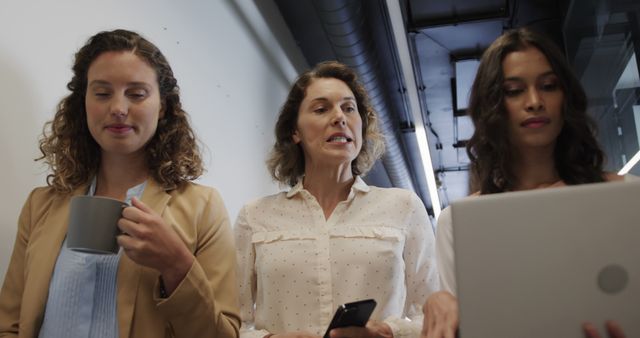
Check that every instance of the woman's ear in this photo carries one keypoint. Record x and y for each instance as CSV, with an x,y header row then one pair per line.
x,y
296,137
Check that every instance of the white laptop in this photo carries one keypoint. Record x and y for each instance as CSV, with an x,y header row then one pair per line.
x,y
540,263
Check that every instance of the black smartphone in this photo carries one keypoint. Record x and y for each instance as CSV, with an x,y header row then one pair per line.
x,y
352,314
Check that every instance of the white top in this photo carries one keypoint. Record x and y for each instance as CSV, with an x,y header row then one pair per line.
x,y
82,291
296,268
444,247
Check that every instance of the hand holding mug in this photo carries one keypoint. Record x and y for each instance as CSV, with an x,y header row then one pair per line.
x,y
149,241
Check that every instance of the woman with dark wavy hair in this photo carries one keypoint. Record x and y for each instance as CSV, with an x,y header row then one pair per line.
x,y
331,239
532,131
122,133
577,157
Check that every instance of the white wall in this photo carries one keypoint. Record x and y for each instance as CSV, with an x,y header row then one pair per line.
x,y
232,85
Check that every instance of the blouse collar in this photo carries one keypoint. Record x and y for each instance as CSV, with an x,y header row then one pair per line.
x,y
358,186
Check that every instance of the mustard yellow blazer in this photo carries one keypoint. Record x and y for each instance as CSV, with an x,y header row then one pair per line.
x,y
205,304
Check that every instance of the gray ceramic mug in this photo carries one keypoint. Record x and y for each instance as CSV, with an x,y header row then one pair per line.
x,y
93,224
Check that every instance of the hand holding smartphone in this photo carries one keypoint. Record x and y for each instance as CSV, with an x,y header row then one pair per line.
x,y
352,314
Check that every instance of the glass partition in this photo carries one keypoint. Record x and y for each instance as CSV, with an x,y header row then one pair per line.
x,y
602,40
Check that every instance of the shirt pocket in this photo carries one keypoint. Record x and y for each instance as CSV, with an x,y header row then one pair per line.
x,y
283,252
265,237
384,233
366,255
364,242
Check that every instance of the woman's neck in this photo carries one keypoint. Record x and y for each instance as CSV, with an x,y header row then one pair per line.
x,y
117,174
535,169
329,186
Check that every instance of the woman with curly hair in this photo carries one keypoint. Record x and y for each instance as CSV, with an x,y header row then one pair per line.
x,y
532,131
331,239
122,133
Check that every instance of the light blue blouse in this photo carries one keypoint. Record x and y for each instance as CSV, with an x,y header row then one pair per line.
x,y
82,292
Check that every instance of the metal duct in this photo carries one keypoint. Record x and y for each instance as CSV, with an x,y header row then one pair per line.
x,y
345,27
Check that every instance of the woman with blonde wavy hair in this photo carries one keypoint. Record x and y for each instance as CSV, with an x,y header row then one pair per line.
x,y
122,133
331,239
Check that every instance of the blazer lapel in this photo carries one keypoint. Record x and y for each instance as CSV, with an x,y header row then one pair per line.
x,y
129,272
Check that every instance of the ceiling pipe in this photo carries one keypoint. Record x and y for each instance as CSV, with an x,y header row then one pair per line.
x,y
404,56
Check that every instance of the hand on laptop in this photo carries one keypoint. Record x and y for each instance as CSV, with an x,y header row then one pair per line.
x,y
613,330
440,316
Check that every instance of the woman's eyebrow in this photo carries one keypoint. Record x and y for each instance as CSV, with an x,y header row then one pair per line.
x,y
520,78
320,99
138,83
99,82
546,74
107,83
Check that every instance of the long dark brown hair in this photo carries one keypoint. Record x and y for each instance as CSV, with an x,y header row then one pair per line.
x,y
578,157
286,162
67,147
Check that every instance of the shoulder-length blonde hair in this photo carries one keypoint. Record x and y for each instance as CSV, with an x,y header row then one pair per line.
x,y
286,162
172,154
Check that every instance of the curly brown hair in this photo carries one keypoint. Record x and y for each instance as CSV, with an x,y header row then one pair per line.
x,y
578,157
172,154
286,161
